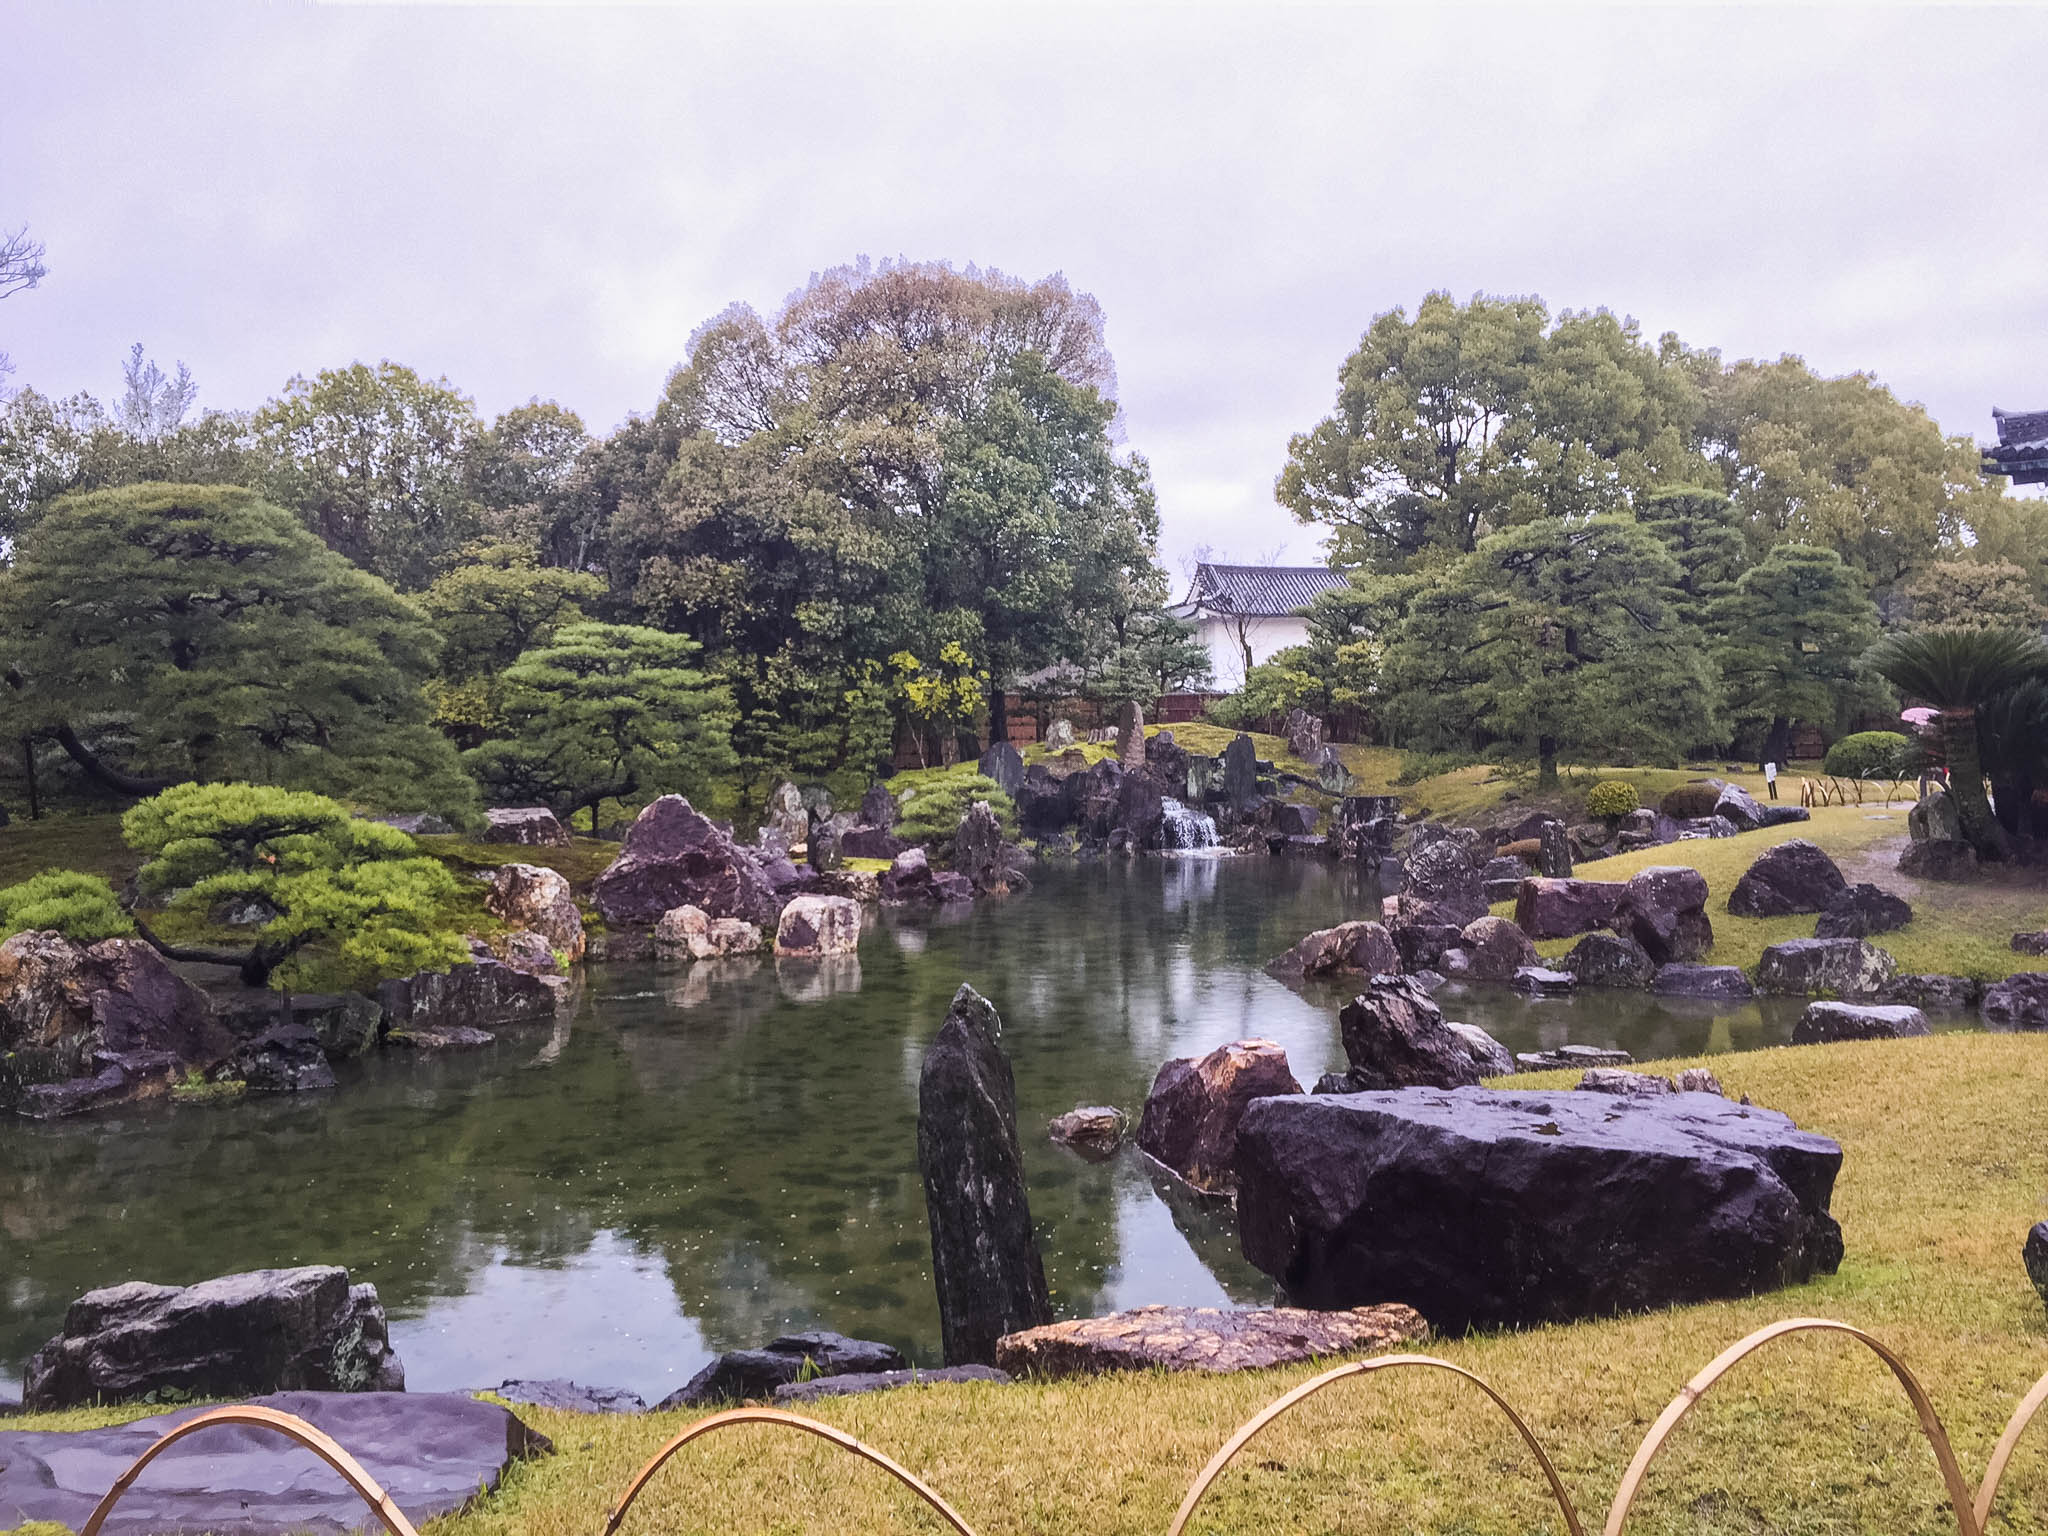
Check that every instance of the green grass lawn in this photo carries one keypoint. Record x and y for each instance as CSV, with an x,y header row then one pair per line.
x,y
1945,1168
91,843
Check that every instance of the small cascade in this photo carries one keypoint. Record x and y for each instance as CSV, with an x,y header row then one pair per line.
x,y
1183,829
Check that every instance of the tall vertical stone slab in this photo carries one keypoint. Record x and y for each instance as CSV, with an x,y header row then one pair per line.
x,y
1130,735
1003,764
985,1260
1241,771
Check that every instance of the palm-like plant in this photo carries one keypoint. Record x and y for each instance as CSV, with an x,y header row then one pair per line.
x,y
1954,671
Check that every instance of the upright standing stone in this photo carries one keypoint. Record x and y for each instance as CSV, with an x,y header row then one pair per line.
x,y
786,815
1130,735
1005,765
1554,852
1241,771
985,1260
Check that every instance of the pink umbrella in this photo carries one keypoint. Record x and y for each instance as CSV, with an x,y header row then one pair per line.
x,y
1921,716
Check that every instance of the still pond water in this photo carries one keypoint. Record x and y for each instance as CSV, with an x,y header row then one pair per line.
x,y
699,1158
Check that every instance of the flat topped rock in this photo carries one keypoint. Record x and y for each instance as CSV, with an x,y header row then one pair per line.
x,y
1204,1339
857,1382
571,1397
432,1452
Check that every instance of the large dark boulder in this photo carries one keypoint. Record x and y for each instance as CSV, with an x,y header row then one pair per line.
x,y
1858,911
1714,983
1826,1022
2018,1002
1738,805
1557,909
1357,948
878,807
267,1330
1240,771
480,995
1566,1205
985,1260
1939,860
1422,937
86,1026
1395,1037
742,1375
1795,876
979,852
1141,808
675,856
1191,1114
1441,873
285,1058
1004,765
1495,949
1839,967
526,826
1949,994
1609,960
2034,1255
870,843
1664,909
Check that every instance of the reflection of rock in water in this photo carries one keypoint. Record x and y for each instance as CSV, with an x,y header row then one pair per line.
x,y
701,981
570,1006
1189,883
814,980
1209,1224
910,941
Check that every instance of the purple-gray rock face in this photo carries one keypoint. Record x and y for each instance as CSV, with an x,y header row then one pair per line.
x,y
432,1452
2034,1254
1191,1114
1395,1037
555,1392
741,1375
675,856
1664,909
1824,1022
1609,960
1442,874
1557,909
1858,911
870,843
1496,949
2018,1002
267,1330
1718,983
1842,967
1569,1205
1360,949
85,1026
528,826
1951,994
855,1383
479,995
985,1260
1795,876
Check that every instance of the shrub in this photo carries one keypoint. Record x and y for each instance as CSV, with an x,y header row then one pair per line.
x,y
81,907
1611,799
933,813
1691,801
1870,755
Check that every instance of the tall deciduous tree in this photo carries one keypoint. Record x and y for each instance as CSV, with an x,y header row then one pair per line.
x,y
1790,639
199,632
1974,594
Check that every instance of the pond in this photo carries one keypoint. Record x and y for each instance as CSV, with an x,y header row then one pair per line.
x,y
699,1158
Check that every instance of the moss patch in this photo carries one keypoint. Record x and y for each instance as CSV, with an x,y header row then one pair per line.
x,y
89,843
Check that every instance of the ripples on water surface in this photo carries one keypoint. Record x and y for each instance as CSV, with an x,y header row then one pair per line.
x,y
704,1157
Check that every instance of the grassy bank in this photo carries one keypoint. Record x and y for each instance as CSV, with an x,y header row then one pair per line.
x,y
1945,1168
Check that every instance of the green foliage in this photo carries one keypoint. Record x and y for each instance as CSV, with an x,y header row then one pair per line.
x,y
497,604
1871,755
1612,799
1974,594
359,890
1790,640
1270,689
81,907
939,700
1703,531
932,815
1689,802
201,633
603,711
1157,653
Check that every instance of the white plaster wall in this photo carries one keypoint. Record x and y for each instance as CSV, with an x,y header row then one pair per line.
x,y
1267,636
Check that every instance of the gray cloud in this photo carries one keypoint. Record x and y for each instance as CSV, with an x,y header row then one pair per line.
x,y
549,200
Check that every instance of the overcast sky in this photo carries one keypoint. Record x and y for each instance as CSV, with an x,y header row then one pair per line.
x,y
546,201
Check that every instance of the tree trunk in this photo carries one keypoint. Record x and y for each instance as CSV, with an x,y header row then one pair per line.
x,y
253,964
104,773
1546,762
1777,744
998,716
1966,784
28,771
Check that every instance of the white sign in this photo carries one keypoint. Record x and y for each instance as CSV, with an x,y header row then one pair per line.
x,y
1770,773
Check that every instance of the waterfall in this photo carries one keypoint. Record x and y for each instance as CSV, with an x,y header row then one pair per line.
x,y
1183,829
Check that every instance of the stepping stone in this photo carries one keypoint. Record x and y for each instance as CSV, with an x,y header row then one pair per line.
x,y
1204,1339
882,1381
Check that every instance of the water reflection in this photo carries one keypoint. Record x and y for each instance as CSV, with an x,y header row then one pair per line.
x,y
713,1154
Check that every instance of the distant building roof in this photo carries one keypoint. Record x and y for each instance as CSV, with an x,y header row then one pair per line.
x,y
1257,591
2022,451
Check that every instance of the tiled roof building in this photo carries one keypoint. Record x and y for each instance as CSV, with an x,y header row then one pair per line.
x,y
1258,591
2022,451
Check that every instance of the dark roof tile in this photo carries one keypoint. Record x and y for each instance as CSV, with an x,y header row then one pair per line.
x,y
1263,591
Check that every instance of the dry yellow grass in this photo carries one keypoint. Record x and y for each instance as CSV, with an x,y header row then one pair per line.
x,y
1946,1166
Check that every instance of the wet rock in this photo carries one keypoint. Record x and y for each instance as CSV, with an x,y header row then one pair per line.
x,y
477,996
1059,736
674,856
2034,1255
441,1038
1130,735
1609,960
1953,862
1004,765
979,852
1498,949
2018,1002
1843,967
1541,981
532,897
824,845
286,1058
688,931
1951,994
1395,1037
1858,911
266,1330
878,808
1240,771
948,887
1093,1130
1566,1057
1935,820
568,1397
1192,1112
854,1383
83,1027
1557,909
785,824
529,826
1424,939
1304,733
1491,1057
2030,943
1823,1022
908,878
1291,820
814,926
1441,874
1715,982
870,843
1205,1339
1664,909
1554,851
1619,1080
433,1453
752,1375
1356,948
1569,1205
1795,876
1739,806
985,1260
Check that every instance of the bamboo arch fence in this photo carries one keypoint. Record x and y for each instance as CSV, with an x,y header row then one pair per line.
x,y
1972,1510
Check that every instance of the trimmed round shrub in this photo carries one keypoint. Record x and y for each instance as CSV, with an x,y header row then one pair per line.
x,y
81,907
932,815
1612,799
1870,755
1689,802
